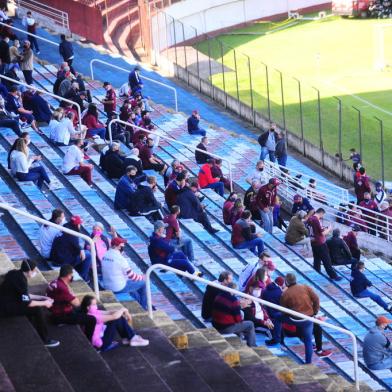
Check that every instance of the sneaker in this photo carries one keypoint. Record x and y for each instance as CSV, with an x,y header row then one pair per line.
x,y
337,279
271,342
324,353
52,343
138,341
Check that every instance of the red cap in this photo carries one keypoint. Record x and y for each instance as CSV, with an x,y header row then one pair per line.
x,y
118,241
297,197
383,320
76,220
279,281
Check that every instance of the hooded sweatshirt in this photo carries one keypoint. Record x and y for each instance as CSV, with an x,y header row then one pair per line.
x,y
376,347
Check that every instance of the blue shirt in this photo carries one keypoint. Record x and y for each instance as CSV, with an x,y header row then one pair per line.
x,y
304,206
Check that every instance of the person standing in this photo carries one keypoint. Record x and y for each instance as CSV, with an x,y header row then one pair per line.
x,y
281,149
67,52
265,200
27,62
267,141
5,56
134,80
31,26
109,102
361,184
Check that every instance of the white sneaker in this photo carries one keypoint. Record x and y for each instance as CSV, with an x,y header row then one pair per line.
x,y
138,341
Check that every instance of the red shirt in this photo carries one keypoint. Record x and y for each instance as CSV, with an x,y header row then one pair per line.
x,y
110,96
316,231
62,297
266,197
145,153
91,122
205,176
173,227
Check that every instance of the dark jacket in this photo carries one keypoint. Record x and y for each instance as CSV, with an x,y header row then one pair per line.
x,y
200,157
159,250
339,251
134,80
262,140
189,204
40,108
193,123
242,231
4,52
359,281
65,248
145,200
66,50
125,193
272,293
113,164
280,148
226,311
304,206
171,192
208,301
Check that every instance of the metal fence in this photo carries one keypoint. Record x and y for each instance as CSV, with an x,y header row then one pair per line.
x,y
327,122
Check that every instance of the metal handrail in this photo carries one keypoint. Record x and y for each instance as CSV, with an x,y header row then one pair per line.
x,y
86,238
254,299
143,77
173,141
48,93
27,33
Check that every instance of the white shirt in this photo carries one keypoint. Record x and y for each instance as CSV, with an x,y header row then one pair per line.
x,y
124,90
257,175
61,131
47,234
72,158
114,270
19,162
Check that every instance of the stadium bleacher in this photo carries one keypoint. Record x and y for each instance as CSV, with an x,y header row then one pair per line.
x,y
199,367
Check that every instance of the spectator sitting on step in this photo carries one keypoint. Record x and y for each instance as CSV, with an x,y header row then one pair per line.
x,y
297,233
260,279
6,119
216,171
278,220
26,137
11,73
359,285
201,157
119,132
193,124
228,206
250,199
139,138
113,161
191,207
21,165
265,201
16,109
73,162
37,104
172,171
65,86
174,234
227,318
301,203
144,201
15,300
225,278
108,323
47,234
236,211
65,308
361,184
174,188
94,126
312,193
61,129
338,250
244,236
385,221
126,189
206,180
109,102
117,275
68,249
377,349
354,215
133,160
369,207
149,160
258,174
134,80
351,240
162,252
125,90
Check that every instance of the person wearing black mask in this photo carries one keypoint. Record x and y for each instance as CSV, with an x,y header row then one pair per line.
x,y
258,174
15,300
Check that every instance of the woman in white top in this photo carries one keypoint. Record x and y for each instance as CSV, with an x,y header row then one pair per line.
x,y
73,162
47,234
21,168
61,128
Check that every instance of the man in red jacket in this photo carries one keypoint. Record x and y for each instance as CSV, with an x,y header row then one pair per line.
x,y
361,184
207,181
369,207
265,201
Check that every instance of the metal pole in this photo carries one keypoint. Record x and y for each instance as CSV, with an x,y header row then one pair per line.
x,y
359,131
339,128
382,149
209,59
197,57
268,92
282,94
223,67
175,41
319,120
236,74
250,85
183,40
301,116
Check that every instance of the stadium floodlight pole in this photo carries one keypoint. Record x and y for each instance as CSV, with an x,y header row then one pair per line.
x,y
301,114
382,149
339,127
45,222
159,134
359,130
268,90
30,86
262,302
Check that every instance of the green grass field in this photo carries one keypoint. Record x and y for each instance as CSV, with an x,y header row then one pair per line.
x,y
335,55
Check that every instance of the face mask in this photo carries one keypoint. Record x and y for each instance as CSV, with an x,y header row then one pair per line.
x,y
62,221
97,232
93,308
72,279
261,169
121,249
256,293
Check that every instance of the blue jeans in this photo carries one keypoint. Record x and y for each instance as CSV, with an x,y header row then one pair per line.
x,y
218,187
385,364
179,261
201,132
282,160
186,246
137,289
305,331
13,124
375,297
121,326
264,152
33,43
83,267
101,132
252,245
36,174
268,220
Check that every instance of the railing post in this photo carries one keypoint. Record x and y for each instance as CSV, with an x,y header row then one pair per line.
x,y
382,149
236,74
268,91
359,130
339,127
250,88
320,125
209,59
223,71
282,95
301,115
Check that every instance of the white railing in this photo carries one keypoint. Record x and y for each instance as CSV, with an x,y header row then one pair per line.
x,y
48,93
254,299
31,34
159,134
375,224
44,13
142,76
86,238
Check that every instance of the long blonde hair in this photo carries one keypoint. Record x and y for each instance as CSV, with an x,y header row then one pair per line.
x,y
21,145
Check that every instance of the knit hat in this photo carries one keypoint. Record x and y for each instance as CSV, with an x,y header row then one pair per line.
x,y
76,220
116,241
383,320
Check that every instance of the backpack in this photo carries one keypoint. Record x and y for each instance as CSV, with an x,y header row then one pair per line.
x,y
246,274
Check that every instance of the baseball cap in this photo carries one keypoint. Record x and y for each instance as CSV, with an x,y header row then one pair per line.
x,y
279,281
297,197
118,241
159,224
274,181
383,320
76,220
106,84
